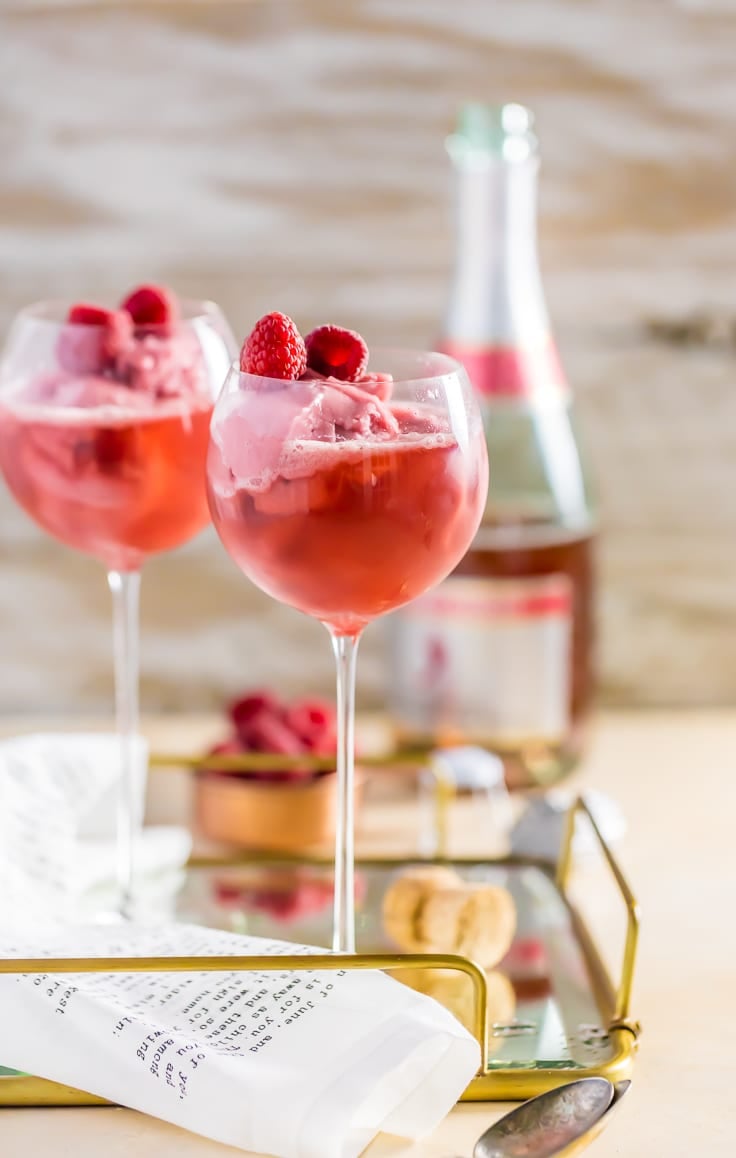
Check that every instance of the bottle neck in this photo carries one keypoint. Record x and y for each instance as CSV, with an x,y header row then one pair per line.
x,y
497,297
497,311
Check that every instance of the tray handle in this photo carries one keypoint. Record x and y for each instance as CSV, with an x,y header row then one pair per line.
x,y
633,916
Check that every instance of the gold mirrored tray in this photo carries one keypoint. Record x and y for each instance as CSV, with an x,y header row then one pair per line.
x,y
548,1013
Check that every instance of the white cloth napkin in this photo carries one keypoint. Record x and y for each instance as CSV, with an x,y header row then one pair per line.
x,y
57,828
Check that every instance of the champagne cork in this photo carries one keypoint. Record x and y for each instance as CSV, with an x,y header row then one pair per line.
x,y
405,899
474,920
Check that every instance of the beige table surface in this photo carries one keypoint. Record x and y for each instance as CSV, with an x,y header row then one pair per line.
x,y
675,775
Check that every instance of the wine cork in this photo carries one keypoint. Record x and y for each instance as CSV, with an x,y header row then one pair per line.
x,y
405,899
474,920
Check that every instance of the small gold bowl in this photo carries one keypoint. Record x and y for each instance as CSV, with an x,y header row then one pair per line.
x,y
267,815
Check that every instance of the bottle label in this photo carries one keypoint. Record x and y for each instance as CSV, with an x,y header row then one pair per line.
x,y
488,657
511,371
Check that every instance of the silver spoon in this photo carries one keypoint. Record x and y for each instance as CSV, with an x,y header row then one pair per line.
x,y
561,1122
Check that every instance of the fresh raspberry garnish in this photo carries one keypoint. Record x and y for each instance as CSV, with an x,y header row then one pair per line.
x,y
336,353
274,349
151,305
84,314
97,338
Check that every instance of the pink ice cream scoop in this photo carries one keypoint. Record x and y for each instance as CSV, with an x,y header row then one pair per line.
x,y
142,347
270,428
286,431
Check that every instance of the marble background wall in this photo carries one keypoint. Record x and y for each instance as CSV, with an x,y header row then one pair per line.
x,y
289,153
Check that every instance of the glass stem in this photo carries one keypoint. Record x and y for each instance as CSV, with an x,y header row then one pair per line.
x,y
345,648
125,588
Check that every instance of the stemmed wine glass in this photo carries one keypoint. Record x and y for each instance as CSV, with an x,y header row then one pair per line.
x,y
104,423
346,504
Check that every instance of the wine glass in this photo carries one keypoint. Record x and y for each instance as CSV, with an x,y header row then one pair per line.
x,y
347,501
103,442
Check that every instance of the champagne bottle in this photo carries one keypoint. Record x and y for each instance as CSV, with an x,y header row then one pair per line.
x,y
501,653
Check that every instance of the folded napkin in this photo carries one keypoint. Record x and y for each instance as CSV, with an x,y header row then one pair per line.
x,y
298,1064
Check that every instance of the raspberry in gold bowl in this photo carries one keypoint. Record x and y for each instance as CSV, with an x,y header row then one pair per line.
x,y
286,804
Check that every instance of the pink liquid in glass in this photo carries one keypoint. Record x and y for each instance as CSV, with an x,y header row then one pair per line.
x,y
349,530
119,483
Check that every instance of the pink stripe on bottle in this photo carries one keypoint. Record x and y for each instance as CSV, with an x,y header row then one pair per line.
x,y
511,371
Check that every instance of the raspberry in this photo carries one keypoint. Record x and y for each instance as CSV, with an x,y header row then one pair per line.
x,y
243,710
84,314
274,349
262,723
266,733
337,353
313,721
95,340
151,305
